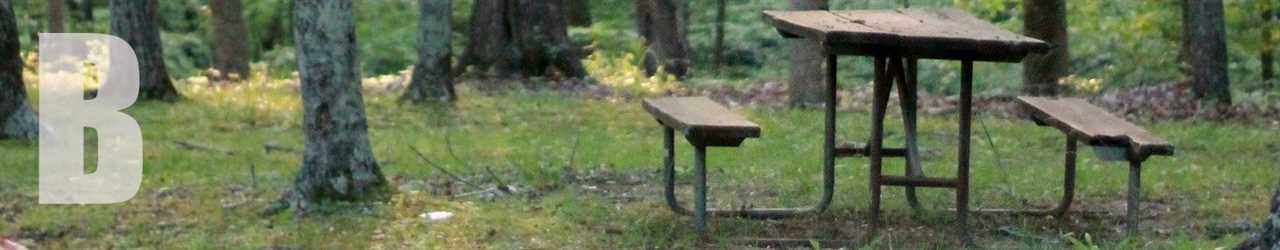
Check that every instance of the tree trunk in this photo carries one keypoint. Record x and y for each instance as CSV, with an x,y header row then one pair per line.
x,y
1206,39
643,19
277,29
1268,64
1046,20
431,78
134,21
1266,57
86,10
337,161
1267,236
718,40
1184,48
525,37
579,12
542,33
230,49
16,118
490,38
57,16
806,84
666,35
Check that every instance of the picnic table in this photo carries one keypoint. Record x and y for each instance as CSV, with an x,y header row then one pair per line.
x,y
897,39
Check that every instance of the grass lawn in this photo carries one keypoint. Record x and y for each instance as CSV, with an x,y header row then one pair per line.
x,y
586,176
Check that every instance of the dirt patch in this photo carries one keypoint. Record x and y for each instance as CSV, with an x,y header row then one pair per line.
x,y
1175,100
12,205
618,186
43,234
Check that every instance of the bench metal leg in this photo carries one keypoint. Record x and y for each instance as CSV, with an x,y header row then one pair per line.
x,y
1068,189
1068,180
1135,192
700,188
700,212
668,143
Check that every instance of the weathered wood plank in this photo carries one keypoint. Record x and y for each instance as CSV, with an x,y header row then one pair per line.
x,y
703,122
1094,126
938,33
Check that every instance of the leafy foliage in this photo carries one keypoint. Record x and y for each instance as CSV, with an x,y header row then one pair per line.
x,y
1117,43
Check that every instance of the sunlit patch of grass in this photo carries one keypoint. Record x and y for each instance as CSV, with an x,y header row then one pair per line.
x,y
259,101
624,75
617,63
1088,86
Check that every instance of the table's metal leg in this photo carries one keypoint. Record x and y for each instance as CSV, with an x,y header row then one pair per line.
x,y
906,82
1135,199
828,166
700,188
881,96
966,121
1068,180
829,141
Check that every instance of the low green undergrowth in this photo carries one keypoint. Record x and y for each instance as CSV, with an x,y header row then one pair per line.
x,y
585,172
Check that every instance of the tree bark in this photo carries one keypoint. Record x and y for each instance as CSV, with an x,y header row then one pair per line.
x,y
1046,20
337,163
579,12
521,37
134,21
1267,236
1206,41
17,121
86,10
57,16
431,78
718,40
665,32
806,84
277,29
1268,60
490,38
542,33
643,19
1266,56
230,49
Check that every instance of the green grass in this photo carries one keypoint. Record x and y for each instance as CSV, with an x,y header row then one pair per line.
x,y
1221,175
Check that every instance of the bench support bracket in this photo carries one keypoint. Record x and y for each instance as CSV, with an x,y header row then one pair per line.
x,y
701,212
1134,200
1135,192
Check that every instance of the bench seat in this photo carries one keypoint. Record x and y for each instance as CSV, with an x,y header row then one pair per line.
x,y
1094,126
702,121
1087,123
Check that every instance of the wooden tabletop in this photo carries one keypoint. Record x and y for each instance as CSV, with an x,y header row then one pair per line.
x,y
937,33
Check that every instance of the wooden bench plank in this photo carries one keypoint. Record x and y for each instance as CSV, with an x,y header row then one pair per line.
x,y
703,122
940,33
1094,126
